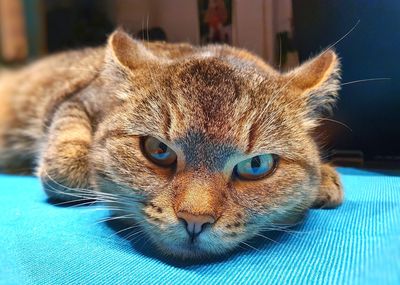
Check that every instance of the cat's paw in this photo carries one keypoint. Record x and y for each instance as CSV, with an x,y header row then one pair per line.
x,y
64,172
331,190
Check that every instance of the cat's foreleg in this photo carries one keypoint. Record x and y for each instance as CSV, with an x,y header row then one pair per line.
x,y
331,191
63,163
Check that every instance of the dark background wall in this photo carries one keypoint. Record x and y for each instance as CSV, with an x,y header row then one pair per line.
x,y
76,23
372,50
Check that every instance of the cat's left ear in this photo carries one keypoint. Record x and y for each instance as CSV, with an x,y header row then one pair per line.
x,y
317,81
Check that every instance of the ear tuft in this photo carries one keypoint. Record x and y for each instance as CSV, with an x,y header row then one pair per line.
x,y
319,81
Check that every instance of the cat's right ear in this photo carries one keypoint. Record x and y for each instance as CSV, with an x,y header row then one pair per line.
x,y
127,52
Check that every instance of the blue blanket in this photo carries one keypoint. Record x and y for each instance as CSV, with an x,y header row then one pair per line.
x,y
358,243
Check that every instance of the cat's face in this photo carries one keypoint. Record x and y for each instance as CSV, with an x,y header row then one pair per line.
x,y
209,147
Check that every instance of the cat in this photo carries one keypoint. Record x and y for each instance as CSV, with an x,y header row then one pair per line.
x,y
203,147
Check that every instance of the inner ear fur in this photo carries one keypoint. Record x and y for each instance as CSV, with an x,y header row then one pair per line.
x,y
316,71
318,80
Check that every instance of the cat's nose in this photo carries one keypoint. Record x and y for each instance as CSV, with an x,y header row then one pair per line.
x,y
195,223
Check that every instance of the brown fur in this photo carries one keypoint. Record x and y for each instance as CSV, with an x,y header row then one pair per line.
x,y
78,117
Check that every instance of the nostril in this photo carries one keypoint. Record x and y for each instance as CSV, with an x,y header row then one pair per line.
x,y
204,226
183,221
195,224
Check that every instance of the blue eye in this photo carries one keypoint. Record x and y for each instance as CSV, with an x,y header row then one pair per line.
x,y
158,152
256,167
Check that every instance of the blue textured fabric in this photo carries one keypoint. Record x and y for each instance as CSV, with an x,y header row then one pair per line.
x,y
359,243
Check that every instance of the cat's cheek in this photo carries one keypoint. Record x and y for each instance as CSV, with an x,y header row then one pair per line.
x,y
255,196
130,170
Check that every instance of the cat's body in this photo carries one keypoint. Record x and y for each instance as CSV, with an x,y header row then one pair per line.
x,y
80,118
29,98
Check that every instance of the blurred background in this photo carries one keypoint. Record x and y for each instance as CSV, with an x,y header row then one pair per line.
x,y
365,129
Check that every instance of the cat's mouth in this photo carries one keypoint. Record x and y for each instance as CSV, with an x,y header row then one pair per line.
x,y
191,246
188,249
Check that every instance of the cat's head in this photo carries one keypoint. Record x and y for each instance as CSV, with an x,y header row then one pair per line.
x,y
208,146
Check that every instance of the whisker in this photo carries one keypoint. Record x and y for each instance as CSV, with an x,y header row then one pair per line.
x,y
252,247
76,195
96,209
267,238
241,247
337,122
64,186
76,201
85,191
280,53
343,37
114,218
141,237
90,194
366,80
123,230
147,27
286,226
291,232
128,237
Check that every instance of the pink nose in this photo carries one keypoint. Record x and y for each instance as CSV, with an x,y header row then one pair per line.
x,y
195,223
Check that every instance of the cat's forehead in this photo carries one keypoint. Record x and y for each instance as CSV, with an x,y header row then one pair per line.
x,y
216,98
218,72
216,84
219,76
203,152
204,94
210,84
206,71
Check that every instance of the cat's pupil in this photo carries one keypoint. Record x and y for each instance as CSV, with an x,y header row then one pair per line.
x,y
256,162
162,148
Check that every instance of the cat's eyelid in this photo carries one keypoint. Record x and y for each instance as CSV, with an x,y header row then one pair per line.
x,y
253,154
116,133
168,143
236,159
285,153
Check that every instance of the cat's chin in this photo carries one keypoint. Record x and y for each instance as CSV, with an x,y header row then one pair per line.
x,y
190,250
187,251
